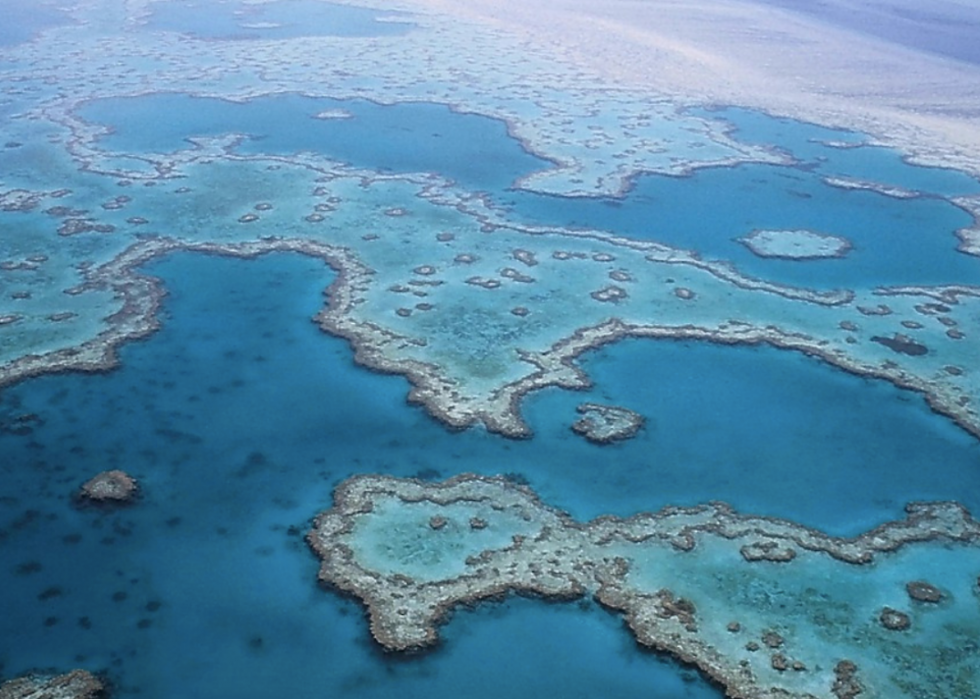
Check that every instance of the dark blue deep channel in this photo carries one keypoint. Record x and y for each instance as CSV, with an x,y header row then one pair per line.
x,y
239,417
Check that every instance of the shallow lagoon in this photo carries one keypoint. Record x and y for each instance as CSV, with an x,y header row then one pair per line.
x,y
732,202
834,152
237,449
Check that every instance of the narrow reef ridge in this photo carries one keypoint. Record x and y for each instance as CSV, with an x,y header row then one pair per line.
x,y
871,186
766,608
77,684
798,244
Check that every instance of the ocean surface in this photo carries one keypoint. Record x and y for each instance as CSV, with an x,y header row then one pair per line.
x,y
239,417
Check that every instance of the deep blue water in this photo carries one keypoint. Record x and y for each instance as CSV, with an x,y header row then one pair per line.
x,y
895,241
240,416
770,431
283,19
21,20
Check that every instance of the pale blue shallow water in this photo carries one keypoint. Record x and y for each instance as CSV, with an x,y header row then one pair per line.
x,y
282,19
240,416
22,20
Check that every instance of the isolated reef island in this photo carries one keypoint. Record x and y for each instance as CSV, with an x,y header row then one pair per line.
x,y
494,192
795,245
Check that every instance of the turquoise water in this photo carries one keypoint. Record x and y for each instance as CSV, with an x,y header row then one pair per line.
x,y
769,431
896,241
239,417
474,151
282,19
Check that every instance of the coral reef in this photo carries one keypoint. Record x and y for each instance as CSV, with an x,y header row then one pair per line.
x,y
411,551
